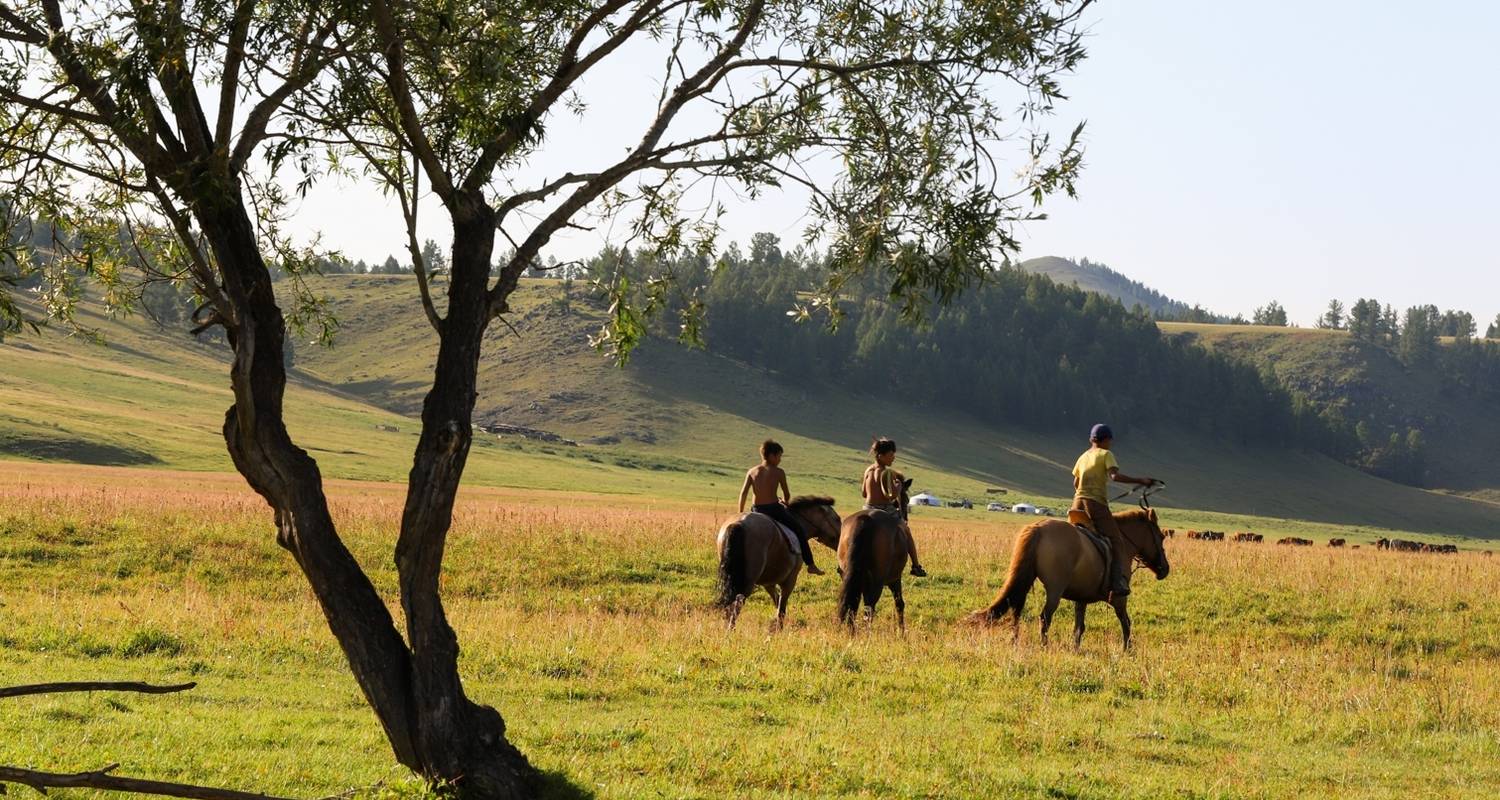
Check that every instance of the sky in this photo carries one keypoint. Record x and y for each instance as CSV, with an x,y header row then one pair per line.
x,y
1236,154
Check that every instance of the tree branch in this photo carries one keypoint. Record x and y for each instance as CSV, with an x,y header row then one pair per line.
x,y
92,686
639,158
406,107
255,124
234,56
102,779
569,69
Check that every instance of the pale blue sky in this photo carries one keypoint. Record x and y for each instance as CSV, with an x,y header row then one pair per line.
x,y
1237,153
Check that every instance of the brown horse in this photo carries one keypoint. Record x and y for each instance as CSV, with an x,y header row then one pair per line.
x,y
1071,568
872,555
754,552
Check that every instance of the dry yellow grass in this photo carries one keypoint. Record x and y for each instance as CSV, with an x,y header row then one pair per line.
x,y
1259,671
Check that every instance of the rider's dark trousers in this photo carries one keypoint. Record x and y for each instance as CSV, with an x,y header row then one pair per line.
x,y
1104,523
780,513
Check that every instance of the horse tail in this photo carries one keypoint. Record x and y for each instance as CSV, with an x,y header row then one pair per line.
x,y
733,578
861,554
1012,597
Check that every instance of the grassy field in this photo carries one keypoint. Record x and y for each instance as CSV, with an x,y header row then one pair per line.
x,y
1260,671
681,424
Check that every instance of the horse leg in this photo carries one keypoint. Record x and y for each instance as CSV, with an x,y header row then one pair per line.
x,y
1053,598
872,596
900,606
786,593
777,598
1124,616
1078,611
733,612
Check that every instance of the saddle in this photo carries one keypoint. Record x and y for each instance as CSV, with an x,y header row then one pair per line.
x,y
1079,519
791,538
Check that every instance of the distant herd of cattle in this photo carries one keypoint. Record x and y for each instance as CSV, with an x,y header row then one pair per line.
x,y
1380,544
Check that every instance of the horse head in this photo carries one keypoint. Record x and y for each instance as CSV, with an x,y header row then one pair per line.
x,y
906,499
821,521
1144,532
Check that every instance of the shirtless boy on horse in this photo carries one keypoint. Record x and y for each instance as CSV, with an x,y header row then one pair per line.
x,y
881,488
764,480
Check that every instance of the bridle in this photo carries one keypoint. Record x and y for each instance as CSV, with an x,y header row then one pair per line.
x,y
1144,501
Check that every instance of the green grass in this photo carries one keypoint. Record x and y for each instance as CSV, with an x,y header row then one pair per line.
x,y
1260,671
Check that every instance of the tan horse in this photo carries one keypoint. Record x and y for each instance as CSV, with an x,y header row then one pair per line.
x,y
1071,568
872,556
754,552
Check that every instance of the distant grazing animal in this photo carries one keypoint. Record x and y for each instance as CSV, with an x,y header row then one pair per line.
x,y
1335,542
1169,533
1489,552
1382,544
1292,540
1249,537
872,556
1353,547
1072,568
1195,534
1213,536
753,551
1406,546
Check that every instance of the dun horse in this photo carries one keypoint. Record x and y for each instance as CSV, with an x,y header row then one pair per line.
x,y
754,552
872,556
1071,568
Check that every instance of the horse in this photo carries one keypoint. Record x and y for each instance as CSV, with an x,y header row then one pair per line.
x,y
872,556
1071,568
754,552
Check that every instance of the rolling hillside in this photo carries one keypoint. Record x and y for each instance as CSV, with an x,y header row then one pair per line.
x,y
1366,382
677,423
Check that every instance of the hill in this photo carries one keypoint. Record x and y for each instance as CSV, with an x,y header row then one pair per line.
x,y
1381,397
676,422
1093,277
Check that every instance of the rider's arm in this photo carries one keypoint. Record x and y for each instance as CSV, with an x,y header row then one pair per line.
x,y
1119,477
785,492
744,491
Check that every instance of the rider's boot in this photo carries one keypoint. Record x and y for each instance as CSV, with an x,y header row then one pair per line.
x,y
807,558
1119,586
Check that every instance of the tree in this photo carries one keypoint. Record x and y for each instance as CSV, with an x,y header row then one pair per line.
x,y
457,97
1270,314
1333,318
1458,324
1419,335
1365,320
1494,331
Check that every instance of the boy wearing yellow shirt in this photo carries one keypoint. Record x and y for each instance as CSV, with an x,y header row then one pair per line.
x,y
1091,476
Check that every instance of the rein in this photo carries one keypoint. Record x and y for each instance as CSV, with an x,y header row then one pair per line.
x,y
1145,499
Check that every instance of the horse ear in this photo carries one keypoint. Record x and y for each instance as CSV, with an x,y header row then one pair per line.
x,y
1151,514
906,484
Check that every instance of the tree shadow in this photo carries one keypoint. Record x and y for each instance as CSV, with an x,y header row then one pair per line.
x,y
554,785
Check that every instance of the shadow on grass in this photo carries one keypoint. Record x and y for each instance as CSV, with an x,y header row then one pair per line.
x,y
63,447
554,785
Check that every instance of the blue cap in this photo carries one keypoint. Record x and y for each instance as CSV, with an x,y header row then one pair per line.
x,y
1100,433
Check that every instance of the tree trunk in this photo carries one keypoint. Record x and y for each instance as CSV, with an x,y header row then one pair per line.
x,y
413,686
289,480
457,740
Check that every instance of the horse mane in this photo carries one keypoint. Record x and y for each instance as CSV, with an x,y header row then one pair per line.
x,y
804,501
1133,515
